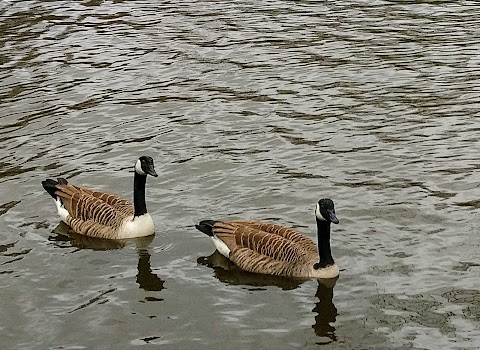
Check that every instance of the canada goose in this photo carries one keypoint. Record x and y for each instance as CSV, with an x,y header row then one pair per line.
x,y
99,214
276,250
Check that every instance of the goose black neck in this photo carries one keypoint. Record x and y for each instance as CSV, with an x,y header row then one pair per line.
x,y
324,250
139,204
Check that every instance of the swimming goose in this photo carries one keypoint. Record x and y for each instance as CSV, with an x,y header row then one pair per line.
x,y
99,214
276,250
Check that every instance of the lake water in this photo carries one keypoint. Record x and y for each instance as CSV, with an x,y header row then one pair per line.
x,y
255,110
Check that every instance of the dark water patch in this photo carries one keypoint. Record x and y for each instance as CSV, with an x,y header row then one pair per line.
x,y
4,208
465,266
153,299
5,247
99,299
23,252
12,261
8,170
474,204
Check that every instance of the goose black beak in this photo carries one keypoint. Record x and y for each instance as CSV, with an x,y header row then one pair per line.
x,y
151,171
332,216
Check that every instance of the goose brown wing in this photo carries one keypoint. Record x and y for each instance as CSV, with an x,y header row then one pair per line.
x,y
249,260
82,205
114,201
286,232
92,228
260,242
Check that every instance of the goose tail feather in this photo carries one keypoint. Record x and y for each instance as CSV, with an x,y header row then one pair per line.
x,y
50,186
206,226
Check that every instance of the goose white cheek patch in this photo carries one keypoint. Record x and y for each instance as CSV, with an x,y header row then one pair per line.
x,y
317,213
138,168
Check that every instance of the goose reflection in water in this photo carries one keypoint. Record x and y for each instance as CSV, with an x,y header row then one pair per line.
x,y
64,237
326,311
228,272
145,278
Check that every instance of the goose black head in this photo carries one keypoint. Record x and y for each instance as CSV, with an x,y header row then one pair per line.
x,y
144,166
325,211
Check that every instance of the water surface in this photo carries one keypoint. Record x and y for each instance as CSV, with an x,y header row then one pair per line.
x,y
251,109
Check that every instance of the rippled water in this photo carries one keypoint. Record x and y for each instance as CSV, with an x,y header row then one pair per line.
x,y
251,109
